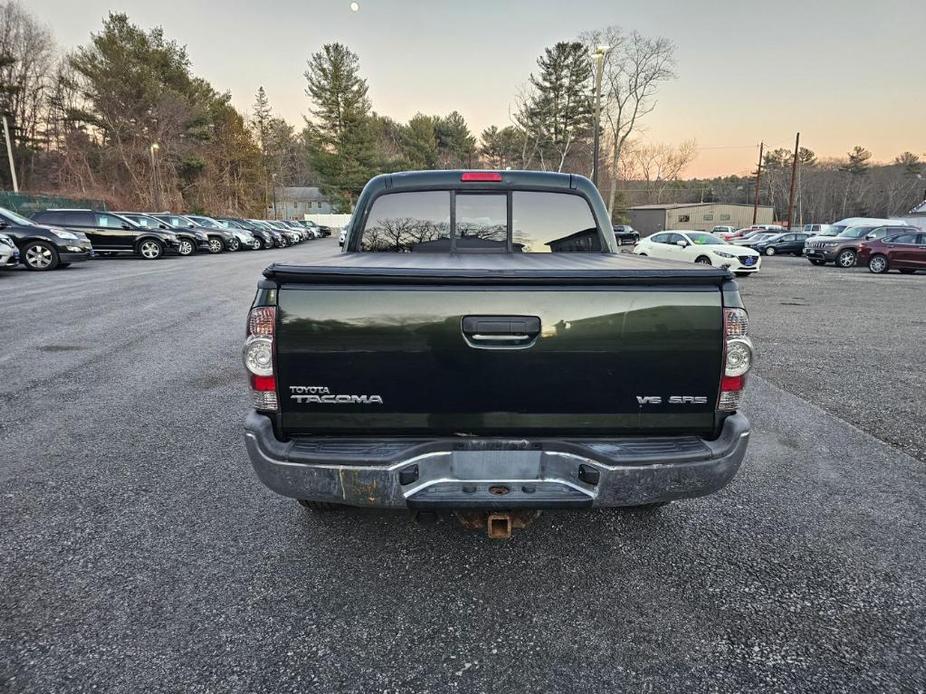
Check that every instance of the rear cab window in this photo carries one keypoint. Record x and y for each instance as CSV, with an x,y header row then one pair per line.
x,y
480,222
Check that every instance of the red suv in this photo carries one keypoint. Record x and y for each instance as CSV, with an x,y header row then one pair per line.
x,y
905,251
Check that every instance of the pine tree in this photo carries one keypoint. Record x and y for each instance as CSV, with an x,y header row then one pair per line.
x,y
336,88
262,116
503,148
559,114
456,144
911,163
419,142
806,157
342,146
858,161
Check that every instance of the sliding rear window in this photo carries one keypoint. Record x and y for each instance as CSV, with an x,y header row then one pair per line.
x,y
480,222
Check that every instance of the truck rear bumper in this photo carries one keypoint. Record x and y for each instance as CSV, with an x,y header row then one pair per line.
x,y
496,473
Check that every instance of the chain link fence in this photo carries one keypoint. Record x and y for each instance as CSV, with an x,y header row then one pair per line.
x,y
30,204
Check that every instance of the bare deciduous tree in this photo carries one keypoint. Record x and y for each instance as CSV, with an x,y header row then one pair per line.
x,y
29,51
634,67
656,165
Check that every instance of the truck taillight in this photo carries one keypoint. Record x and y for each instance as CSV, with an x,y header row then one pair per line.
x,y
738,356
258,358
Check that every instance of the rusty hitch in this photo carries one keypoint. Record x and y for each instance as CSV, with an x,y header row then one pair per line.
x,y
498,524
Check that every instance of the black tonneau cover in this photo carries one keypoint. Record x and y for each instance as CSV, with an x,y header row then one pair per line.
x,y
497,268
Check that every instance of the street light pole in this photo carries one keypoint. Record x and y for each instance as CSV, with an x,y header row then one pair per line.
x,y
600,52
155,182
274,180
9,153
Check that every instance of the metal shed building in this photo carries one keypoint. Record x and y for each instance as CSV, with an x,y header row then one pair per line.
x,y
697,216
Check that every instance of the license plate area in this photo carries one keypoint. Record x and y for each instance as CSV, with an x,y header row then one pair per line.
x,y
496,465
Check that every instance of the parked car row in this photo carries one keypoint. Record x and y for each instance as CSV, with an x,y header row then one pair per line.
x,y
55,238
881,244
882,248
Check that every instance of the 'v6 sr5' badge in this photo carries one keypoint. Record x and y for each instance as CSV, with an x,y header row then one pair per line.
x,y
672,400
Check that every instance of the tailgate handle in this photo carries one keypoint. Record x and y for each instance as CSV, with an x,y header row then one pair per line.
x,y
500,332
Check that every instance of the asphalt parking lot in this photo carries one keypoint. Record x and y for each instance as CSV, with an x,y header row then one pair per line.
x,y
140,553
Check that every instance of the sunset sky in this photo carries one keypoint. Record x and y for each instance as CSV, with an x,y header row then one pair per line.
x,y
843,72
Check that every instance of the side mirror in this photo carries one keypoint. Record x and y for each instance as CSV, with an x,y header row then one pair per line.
x,y
683,244
127,227
3,224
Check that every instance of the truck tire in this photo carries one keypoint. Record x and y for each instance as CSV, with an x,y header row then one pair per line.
x,y
319,506
215,245
186,247
233,244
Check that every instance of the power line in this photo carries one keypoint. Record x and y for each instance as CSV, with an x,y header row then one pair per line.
x,y
727,147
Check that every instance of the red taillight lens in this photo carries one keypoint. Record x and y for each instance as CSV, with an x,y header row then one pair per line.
x,y
481,177
259,358
263,383
732,383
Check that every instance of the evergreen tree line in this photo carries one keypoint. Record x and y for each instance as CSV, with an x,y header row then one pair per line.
x,y
124,119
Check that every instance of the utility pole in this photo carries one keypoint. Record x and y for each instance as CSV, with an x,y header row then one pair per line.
x,y
9,154
755,205
800,198
599,72
797,144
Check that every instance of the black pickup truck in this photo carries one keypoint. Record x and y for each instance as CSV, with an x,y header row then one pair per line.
x,y
481,346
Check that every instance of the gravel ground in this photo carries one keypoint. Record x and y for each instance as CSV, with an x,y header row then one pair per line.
x,y
848,340
140,553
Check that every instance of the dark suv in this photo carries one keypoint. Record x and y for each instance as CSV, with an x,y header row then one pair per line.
x,y
219,239
44,247
112,233
191,240
265,236
842,249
